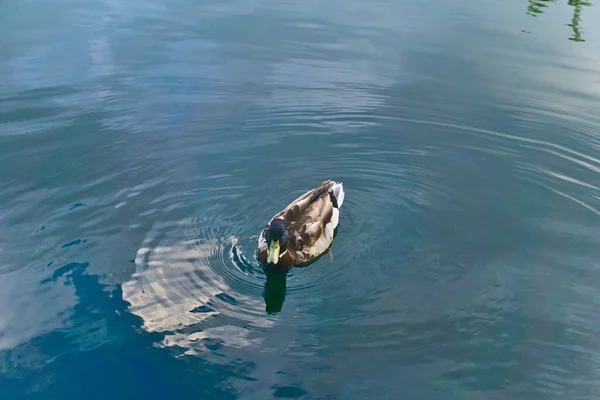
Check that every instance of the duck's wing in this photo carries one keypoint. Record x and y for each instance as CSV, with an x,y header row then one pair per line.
x,y
312,233
294,211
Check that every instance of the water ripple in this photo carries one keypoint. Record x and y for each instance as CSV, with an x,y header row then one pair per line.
x,y
197,279
468,243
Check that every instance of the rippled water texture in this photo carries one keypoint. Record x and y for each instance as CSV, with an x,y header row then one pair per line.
x,y
144,145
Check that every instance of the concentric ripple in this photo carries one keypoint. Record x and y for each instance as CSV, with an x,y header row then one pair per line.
x,y
201,272
405,218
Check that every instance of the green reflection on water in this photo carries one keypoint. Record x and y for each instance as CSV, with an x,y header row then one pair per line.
x,y
535,8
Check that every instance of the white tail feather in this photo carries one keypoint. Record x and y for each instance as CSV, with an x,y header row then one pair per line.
x,y
338,191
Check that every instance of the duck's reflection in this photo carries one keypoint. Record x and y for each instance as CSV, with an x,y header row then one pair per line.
x,y
274,291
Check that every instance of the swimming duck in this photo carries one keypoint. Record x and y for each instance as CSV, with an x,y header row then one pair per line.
x,y
304,230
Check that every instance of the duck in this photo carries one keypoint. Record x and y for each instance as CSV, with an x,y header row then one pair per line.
x,y
304,230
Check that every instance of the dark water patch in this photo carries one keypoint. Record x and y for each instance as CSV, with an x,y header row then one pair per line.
x,y
202,309
76,205
73,243
49,369
289,392
226,298
68,269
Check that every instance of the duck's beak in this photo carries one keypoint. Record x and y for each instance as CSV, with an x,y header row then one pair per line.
x,y
274,249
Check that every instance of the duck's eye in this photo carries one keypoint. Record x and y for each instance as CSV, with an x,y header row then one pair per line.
x,y
268,236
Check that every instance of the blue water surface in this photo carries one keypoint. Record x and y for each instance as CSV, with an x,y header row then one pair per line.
x,y
144,145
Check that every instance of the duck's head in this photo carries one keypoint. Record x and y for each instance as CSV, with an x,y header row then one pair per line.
x,y
277,238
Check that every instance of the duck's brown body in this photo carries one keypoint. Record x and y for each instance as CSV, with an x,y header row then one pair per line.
x,y
311,220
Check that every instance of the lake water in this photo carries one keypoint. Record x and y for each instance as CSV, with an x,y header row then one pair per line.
x,y
144,145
